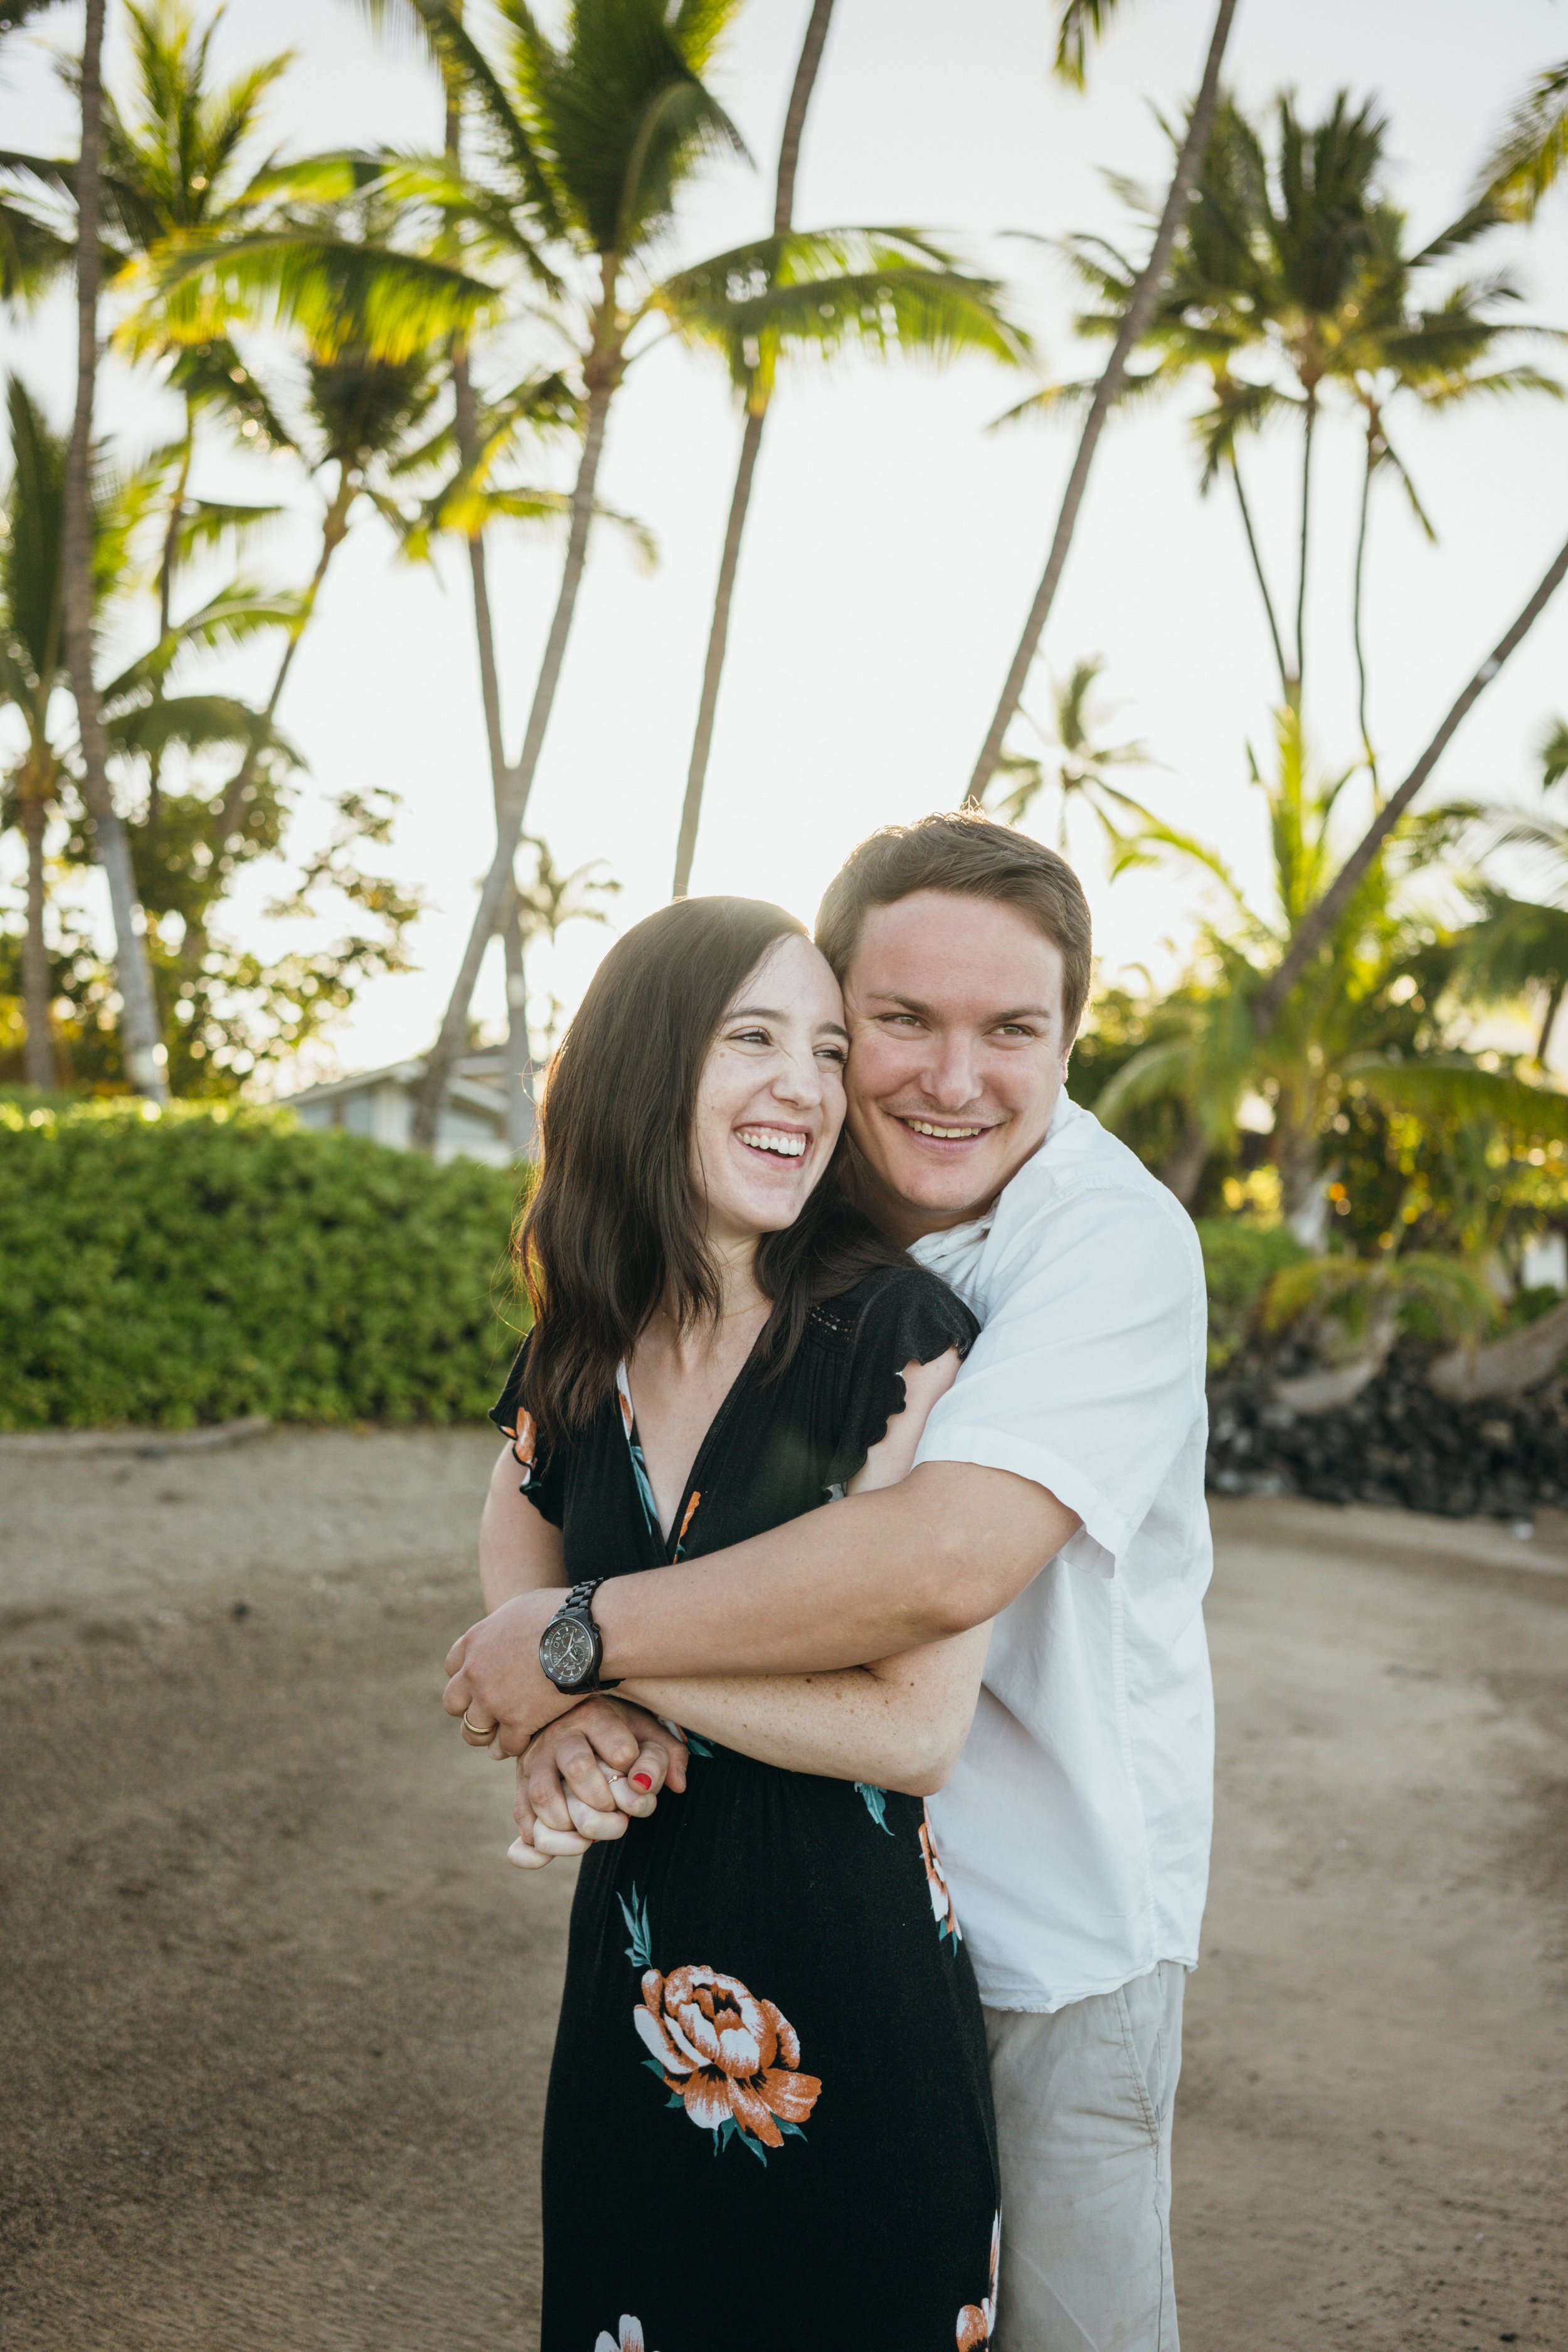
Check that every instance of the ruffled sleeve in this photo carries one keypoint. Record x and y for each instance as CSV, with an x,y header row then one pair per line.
x,y
904,1316
540,1467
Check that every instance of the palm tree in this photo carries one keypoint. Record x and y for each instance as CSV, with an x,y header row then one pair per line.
x,y
1366,1018
145,1060
1292,279
175,167
814,296
595,139
1519,947
1319,918
550,900
139,717
30,618
1076,766
1080,20
805,72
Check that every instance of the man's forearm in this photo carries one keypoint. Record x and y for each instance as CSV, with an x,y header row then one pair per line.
x,y
942,1552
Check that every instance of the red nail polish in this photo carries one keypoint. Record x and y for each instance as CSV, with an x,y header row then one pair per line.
x,y
642,1780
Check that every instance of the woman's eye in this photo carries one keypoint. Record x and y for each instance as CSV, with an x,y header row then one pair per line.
x,y
751,1038
834,1054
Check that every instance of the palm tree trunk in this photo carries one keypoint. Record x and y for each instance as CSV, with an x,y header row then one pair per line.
x,y
146,1061
39,1064
521,1112
1107,392
1320,919
1549,1023
1285,678
1307,438
751,443
718,637
603,368
522,1118
522,1115
1369,755
166,599
334,530
1183,1173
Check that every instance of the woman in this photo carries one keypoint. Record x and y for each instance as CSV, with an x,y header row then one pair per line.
x,y
768,2124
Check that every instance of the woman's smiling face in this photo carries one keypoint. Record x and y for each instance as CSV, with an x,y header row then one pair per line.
x,y
770,1103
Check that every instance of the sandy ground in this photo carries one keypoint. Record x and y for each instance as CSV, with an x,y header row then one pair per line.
x,y
274,2016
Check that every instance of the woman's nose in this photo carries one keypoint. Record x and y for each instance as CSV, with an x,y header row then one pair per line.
x,y
799,1080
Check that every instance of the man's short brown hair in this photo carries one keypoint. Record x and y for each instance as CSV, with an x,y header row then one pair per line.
x,y
968,853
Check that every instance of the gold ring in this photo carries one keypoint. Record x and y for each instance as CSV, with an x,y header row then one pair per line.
x,y
484,1733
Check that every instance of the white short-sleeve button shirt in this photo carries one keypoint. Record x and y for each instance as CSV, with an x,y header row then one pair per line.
x,y
1075,1830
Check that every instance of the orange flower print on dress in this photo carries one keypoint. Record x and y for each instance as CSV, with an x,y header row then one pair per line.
x,y
524,1446
731,2060
628,2339
977,2321
940,1900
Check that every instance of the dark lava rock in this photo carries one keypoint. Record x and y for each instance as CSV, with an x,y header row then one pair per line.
x,y
1398,1443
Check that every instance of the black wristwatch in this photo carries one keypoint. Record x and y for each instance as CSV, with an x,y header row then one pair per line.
x,y
570,1646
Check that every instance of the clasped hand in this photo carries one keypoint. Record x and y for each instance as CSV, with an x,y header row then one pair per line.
x,y
589,1773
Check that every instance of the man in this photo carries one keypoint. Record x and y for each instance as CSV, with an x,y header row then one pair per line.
x,y
1058,1488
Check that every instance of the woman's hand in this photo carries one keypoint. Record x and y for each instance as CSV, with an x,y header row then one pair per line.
x,y
589,1773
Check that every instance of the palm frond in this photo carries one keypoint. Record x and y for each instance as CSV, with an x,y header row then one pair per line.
x,y
1152,1073
1553,754
680,125
1532,152
205,523
32,255
1453,1088
1079,26
190,722
336,291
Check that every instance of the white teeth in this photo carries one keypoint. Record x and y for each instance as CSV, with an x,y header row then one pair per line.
x,y
944,1134
771,1139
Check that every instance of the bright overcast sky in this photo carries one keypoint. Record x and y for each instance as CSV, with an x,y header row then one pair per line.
x,y
894,544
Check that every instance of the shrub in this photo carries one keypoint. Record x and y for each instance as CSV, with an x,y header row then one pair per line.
x,y
203,1261
1240,1261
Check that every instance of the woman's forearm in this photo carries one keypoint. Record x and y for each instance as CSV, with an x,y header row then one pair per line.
x,y
898,1723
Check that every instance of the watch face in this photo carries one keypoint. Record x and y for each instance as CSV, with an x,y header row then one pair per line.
x,y
566,1652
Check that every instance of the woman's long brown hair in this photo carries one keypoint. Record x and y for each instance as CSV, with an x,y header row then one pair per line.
x,y
616,1225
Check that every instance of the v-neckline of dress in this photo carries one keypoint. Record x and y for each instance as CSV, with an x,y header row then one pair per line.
x,y
669,1543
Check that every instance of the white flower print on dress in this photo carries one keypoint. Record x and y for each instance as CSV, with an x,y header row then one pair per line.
x,y
630,2338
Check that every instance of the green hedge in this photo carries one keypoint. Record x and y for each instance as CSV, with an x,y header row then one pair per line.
x,y
162,1269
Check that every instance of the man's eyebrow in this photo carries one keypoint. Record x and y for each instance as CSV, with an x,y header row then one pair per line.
x,y
918,1005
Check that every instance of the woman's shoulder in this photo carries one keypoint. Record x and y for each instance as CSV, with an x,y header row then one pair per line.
x,y
896,1308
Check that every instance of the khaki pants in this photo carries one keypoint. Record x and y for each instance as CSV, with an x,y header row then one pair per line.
x,y
1083,2118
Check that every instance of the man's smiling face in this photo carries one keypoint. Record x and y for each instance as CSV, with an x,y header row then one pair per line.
x,y
957,1056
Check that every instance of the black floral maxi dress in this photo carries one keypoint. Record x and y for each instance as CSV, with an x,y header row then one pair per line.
x,y
769,2122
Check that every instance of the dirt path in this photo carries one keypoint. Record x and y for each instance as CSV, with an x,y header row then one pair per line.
x,y
274,2017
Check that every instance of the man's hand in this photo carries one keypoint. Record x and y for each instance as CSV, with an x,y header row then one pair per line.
x,y
496,1676
588,1774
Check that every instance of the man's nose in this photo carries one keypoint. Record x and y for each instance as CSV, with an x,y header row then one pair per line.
x,y
950,1078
